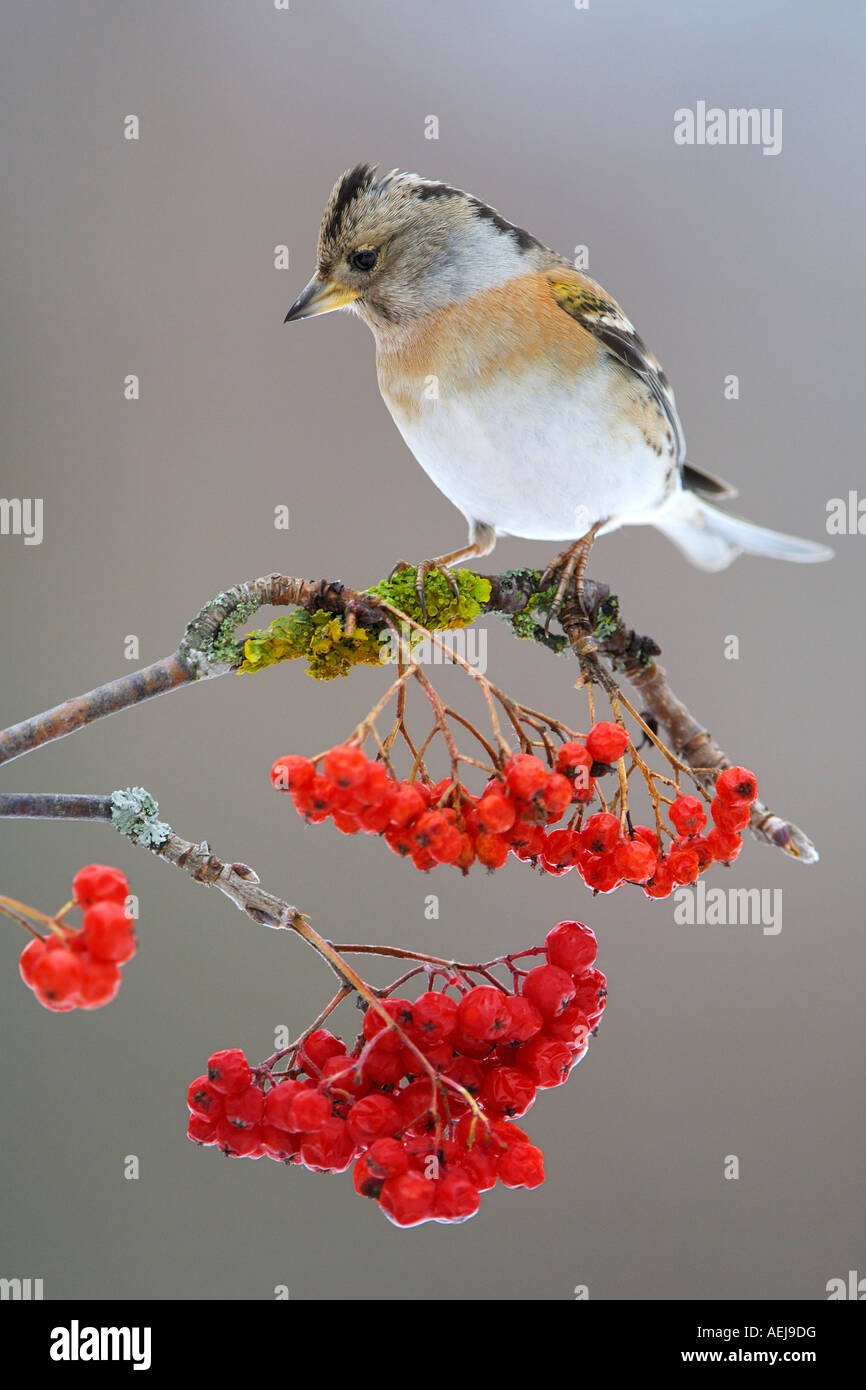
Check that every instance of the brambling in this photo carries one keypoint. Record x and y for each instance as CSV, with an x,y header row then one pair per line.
x,y
517,382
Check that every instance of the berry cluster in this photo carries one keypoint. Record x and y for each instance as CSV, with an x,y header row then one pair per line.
x,y
80,968
424,1105
442,823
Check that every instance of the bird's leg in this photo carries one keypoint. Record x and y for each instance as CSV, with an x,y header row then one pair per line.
x,y
481,541
570,563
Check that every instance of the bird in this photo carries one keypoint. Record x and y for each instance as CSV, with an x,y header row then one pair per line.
x,y
518,383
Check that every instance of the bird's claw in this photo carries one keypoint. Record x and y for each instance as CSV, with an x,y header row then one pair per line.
x,y
425,568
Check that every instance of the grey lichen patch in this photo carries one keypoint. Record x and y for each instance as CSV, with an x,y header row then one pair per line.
x,y
134,813
209,647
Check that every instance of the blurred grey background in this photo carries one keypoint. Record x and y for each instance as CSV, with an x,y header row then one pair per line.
x,y
155,257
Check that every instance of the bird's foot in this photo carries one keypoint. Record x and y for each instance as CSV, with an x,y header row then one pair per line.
x,y
569,564
422,571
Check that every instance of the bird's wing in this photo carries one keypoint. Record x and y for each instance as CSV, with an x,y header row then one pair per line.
x,y
589,305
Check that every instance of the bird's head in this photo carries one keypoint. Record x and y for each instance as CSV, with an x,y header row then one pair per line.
x,y
397,247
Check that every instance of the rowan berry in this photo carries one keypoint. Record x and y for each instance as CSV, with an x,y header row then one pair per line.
x,y
229,1071
526,775
344,765
99,883
522,1165
434,1018
245,1109
496,811
456,1198
606,742
204,1099
483,1013
373,1117
309,1111
635,860
293,773
688,815
571,946
549,988
108,932
737,784
407,1199
600,833
57,977
724,844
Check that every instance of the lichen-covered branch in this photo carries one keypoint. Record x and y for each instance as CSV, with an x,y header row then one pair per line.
x,y
335,627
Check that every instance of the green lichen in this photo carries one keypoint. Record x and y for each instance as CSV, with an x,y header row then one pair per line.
x,y
607,617
318,637
445,609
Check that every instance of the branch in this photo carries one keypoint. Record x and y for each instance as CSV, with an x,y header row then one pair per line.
x,y
592,626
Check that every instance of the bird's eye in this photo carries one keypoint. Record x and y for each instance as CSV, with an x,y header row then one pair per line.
x,y
362,260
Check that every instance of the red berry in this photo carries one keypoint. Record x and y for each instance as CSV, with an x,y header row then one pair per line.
x,y
330,1149
309,1111
108,932
522,1166
279,1144
684,865
600,872
547,1059
434,1018
635,860
572,1026
382,1066
293,774
491,850
456,1198
561,852
237,1142
386,1158
591,993
344,766
687,815
33,952
483,1013
549,988
607,742
99,883
407,1199
100,982
204,1099
57,975
318,1047
278,1103
229,1071
557,795
524,1021
408,805
465,1072
525,775
245,1109
496,811
661,885
398,1010
373,1117
730,815
201,1129
571,946
737,784
508,1090
725,844
600,833
572,756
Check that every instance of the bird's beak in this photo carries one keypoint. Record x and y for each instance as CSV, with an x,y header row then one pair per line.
x,y
320,297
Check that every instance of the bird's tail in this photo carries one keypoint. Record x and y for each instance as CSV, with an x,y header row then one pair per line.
x,y
711,538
